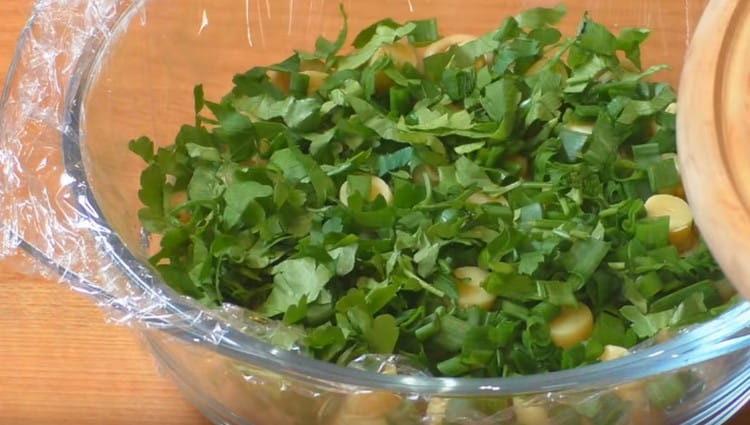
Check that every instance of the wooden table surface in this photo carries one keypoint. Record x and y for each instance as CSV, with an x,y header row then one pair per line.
x,y
60,362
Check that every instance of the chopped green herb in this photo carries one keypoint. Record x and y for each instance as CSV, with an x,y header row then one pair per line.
x,y
523,155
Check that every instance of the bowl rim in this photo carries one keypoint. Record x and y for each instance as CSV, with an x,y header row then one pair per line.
x,y
704,342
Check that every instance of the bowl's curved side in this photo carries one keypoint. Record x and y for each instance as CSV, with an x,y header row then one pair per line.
x,y
143,299
235,393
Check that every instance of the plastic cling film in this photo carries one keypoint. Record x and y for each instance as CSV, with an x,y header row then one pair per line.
x,y
66,92
41,211
49,209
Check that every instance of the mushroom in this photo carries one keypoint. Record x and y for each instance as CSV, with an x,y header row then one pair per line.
x,y
527,414
175,200
370,407
584,128
470,291
378,187
632,392
315,80
481,198
681,230
613,352
571,326
424,170
279,79
401,54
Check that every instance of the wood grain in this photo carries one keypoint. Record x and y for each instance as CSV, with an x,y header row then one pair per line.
x,y
715,148
60,363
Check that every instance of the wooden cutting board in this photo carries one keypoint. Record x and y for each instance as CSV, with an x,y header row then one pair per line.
x,y
60,362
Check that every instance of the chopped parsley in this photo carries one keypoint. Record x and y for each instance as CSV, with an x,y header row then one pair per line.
x,y
339,192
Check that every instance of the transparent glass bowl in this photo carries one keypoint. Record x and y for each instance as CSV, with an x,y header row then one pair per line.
x,y
135,77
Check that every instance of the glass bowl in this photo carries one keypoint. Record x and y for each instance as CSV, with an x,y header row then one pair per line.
x,y
119,69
